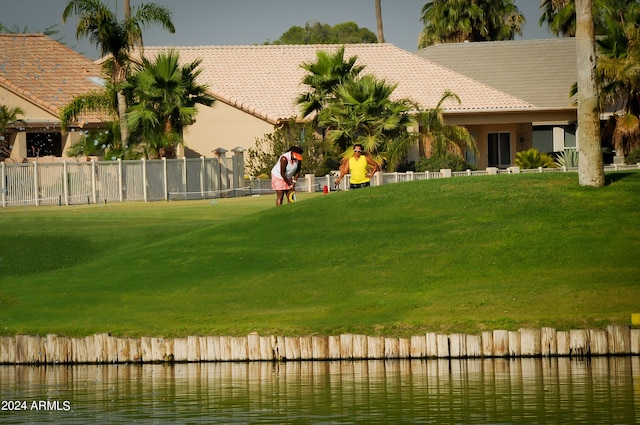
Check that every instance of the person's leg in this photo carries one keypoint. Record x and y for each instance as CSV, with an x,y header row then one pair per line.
x,y
279,196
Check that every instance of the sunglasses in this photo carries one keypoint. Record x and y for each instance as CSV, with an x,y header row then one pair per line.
x,y
358,151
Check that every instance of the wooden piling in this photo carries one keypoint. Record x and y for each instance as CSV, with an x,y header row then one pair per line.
x,y
548,342
487,344
598,342
457,345
104,348
474,346
360,349
335,348
500,343
619,339
431,345
418,346
578,342
375,346
530,342
391,348
320,345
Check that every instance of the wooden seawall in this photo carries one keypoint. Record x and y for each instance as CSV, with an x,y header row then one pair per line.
x,y
105,348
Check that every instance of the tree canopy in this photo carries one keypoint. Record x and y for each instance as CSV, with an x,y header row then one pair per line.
x,y
454,21
319,33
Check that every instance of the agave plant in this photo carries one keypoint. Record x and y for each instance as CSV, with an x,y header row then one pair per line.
x,y
568,158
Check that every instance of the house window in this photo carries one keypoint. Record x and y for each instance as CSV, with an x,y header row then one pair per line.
x,y
44,144
469,155
543,138
499,149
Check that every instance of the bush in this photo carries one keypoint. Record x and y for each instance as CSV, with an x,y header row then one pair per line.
x,y
446,161
633,157
532,158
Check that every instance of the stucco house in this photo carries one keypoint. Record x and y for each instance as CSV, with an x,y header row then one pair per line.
x,y
256,88
40,76
540,72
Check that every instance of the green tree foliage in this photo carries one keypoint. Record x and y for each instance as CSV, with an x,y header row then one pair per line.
x,y
116,38
165,97
319,156
454,21
8,115
444,145
532,158
322,78
363,112
351,109
318,33
619,76
560,15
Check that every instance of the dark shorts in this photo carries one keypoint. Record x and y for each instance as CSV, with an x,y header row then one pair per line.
x,y
359,185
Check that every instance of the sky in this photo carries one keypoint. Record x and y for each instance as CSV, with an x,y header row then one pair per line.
x,y
245,22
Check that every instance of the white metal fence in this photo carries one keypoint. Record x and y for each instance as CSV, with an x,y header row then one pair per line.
x,y
70,183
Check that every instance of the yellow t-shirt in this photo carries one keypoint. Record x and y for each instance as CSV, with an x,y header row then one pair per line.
x,y
358,170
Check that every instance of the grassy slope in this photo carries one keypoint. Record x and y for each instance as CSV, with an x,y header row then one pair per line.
x,y
454,255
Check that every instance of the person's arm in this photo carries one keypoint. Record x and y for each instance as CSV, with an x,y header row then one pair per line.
x,y
283,171
297,173
374,166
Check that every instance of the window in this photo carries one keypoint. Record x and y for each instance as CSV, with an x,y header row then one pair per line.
x,y
469,155
44,144
499,149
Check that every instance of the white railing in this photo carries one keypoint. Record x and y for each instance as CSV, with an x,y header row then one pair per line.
x,y
68,183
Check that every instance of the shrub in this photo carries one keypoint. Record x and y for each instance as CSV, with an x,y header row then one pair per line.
x,y
633,157
568,158
447,160
532,158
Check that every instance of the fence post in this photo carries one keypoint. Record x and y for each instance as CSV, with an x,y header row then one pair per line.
x,y
184,178
164,178
202,170
93,181
65,182
144,179
120,180
238,168
3,185
35,182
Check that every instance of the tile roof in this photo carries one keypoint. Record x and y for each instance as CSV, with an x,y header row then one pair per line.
x,y
540,72
266,80
45,72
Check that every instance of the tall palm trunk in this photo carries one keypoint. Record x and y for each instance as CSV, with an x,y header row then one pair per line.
x,y
379,21
590,164
118,77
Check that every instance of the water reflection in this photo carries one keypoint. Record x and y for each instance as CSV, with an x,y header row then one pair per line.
x,y
475,391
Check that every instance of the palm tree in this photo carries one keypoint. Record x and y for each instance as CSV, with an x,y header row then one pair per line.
x,y
364,113
438,138
590,163
620,78
8,115
453,21
323,76
165,97
560,15
116,38
380,30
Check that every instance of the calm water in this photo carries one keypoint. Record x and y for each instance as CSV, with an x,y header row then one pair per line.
x,y
489,391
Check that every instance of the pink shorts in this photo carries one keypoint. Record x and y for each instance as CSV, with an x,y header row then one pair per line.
x,y
278,183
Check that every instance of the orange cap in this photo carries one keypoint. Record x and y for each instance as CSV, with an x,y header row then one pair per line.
x,y
297,156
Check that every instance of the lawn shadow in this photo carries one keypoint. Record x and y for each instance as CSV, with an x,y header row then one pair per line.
x,y
23,255
614,177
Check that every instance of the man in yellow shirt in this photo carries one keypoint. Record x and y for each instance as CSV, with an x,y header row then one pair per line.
x,y
360,167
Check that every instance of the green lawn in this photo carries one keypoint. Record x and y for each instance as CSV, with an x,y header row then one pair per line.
x,y
450,255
